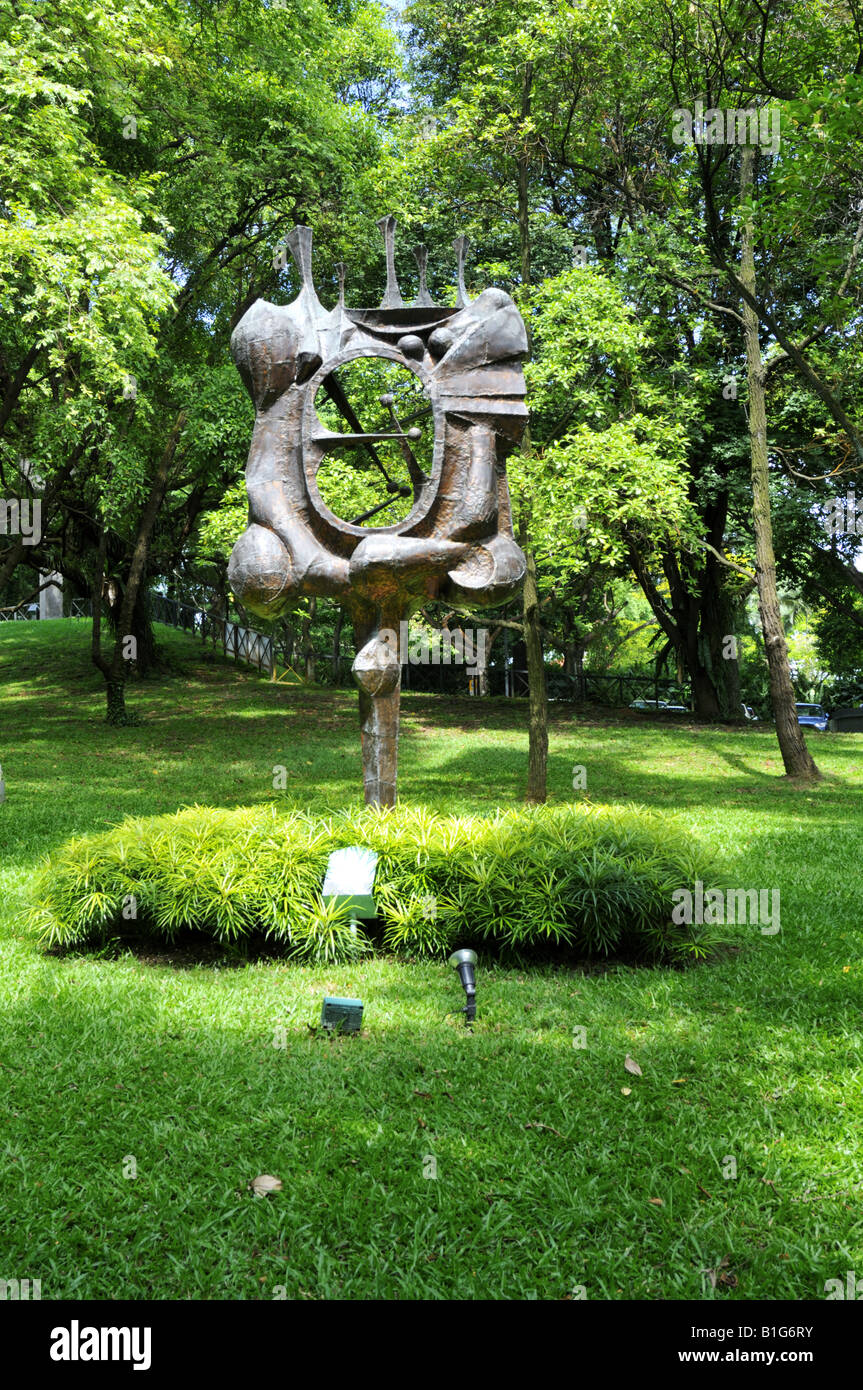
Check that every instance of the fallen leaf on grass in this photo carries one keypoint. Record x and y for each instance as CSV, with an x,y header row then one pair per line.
x,y
626,1090
534,1124
681,1081
656,1201
264,1184
632,1066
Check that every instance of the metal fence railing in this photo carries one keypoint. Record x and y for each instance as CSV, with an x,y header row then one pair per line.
x,y
28,614
242,643
258,649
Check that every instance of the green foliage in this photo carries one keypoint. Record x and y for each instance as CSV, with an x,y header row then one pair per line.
x,y
574,881
350,482
79,247
324,935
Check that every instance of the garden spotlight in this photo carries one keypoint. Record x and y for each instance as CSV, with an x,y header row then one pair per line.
x,y
464,962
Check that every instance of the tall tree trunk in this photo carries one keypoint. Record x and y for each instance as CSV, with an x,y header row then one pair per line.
x,y
680,616
115,671
337,645
142,631
719,622
580,683
483,683
140,628
795,755
308,645
537,761
523,171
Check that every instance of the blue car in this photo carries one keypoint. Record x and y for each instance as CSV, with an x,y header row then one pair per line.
x,y
812,717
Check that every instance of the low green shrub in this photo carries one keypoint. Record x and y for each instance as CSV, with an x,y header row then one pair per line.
x,y
572,881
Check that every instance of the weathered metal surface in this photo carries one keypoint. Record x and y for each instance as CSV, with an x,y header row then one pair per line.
x,y
455,544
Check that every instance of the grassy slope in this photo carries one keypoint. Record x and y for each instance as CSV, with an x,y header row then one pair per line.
x,y
546,1170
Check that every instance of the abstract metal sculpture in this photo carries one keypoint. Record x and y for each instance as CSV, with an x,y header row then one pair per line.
x,y
455,544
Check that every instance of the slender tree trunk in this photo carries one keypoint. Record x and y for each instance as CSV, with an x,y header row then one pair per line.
x,y
719,622
537,762
308,645
580,683
142,631
796,757
140,628
482,659
337,645
523,171
16,385
678,616
116,670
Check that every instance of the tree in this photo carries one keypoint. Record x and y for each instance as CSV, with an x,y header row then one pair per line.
x,y
189,121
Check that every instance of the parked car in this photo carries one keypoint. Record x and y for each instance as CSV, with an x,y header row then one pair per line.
x,y
650,705
812,716
847,720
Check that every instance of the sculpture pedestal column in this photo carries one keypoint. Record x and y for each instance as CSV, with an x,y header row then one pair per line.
x,y
377,672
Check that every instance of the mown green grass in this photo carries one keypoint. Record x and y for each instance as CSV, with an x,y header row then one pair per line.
x,y
545,1169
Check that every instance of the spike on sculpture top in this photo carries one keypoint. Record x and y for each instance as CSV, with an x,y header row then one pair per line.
x,y
456,543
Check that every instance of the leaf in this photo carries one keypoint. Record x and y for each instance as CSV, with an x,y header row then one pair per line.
x,y
626,1090
681,1081
264,1184
632,1067
656,1201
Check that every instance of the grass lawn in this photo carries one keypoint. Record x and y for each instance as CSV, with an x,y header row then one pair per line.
x,y
548,1176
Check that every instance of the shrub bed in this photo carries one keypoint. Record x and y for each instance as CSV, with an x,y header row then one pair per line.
x,y
573,881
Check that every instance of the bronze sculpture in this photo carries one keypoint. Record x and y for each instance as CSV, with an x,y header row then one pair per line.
x,y
455,544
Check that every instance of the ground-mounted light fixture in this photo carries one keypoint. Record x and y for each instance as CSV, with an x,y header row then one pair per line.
x,y
464,961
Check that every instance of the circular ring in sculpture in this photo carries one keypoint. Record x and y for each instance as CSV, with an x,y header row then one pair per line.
x,y
315,448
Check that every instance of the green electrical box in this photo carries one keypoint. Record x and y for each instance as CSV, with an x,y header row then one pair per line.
x,y
344,1014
